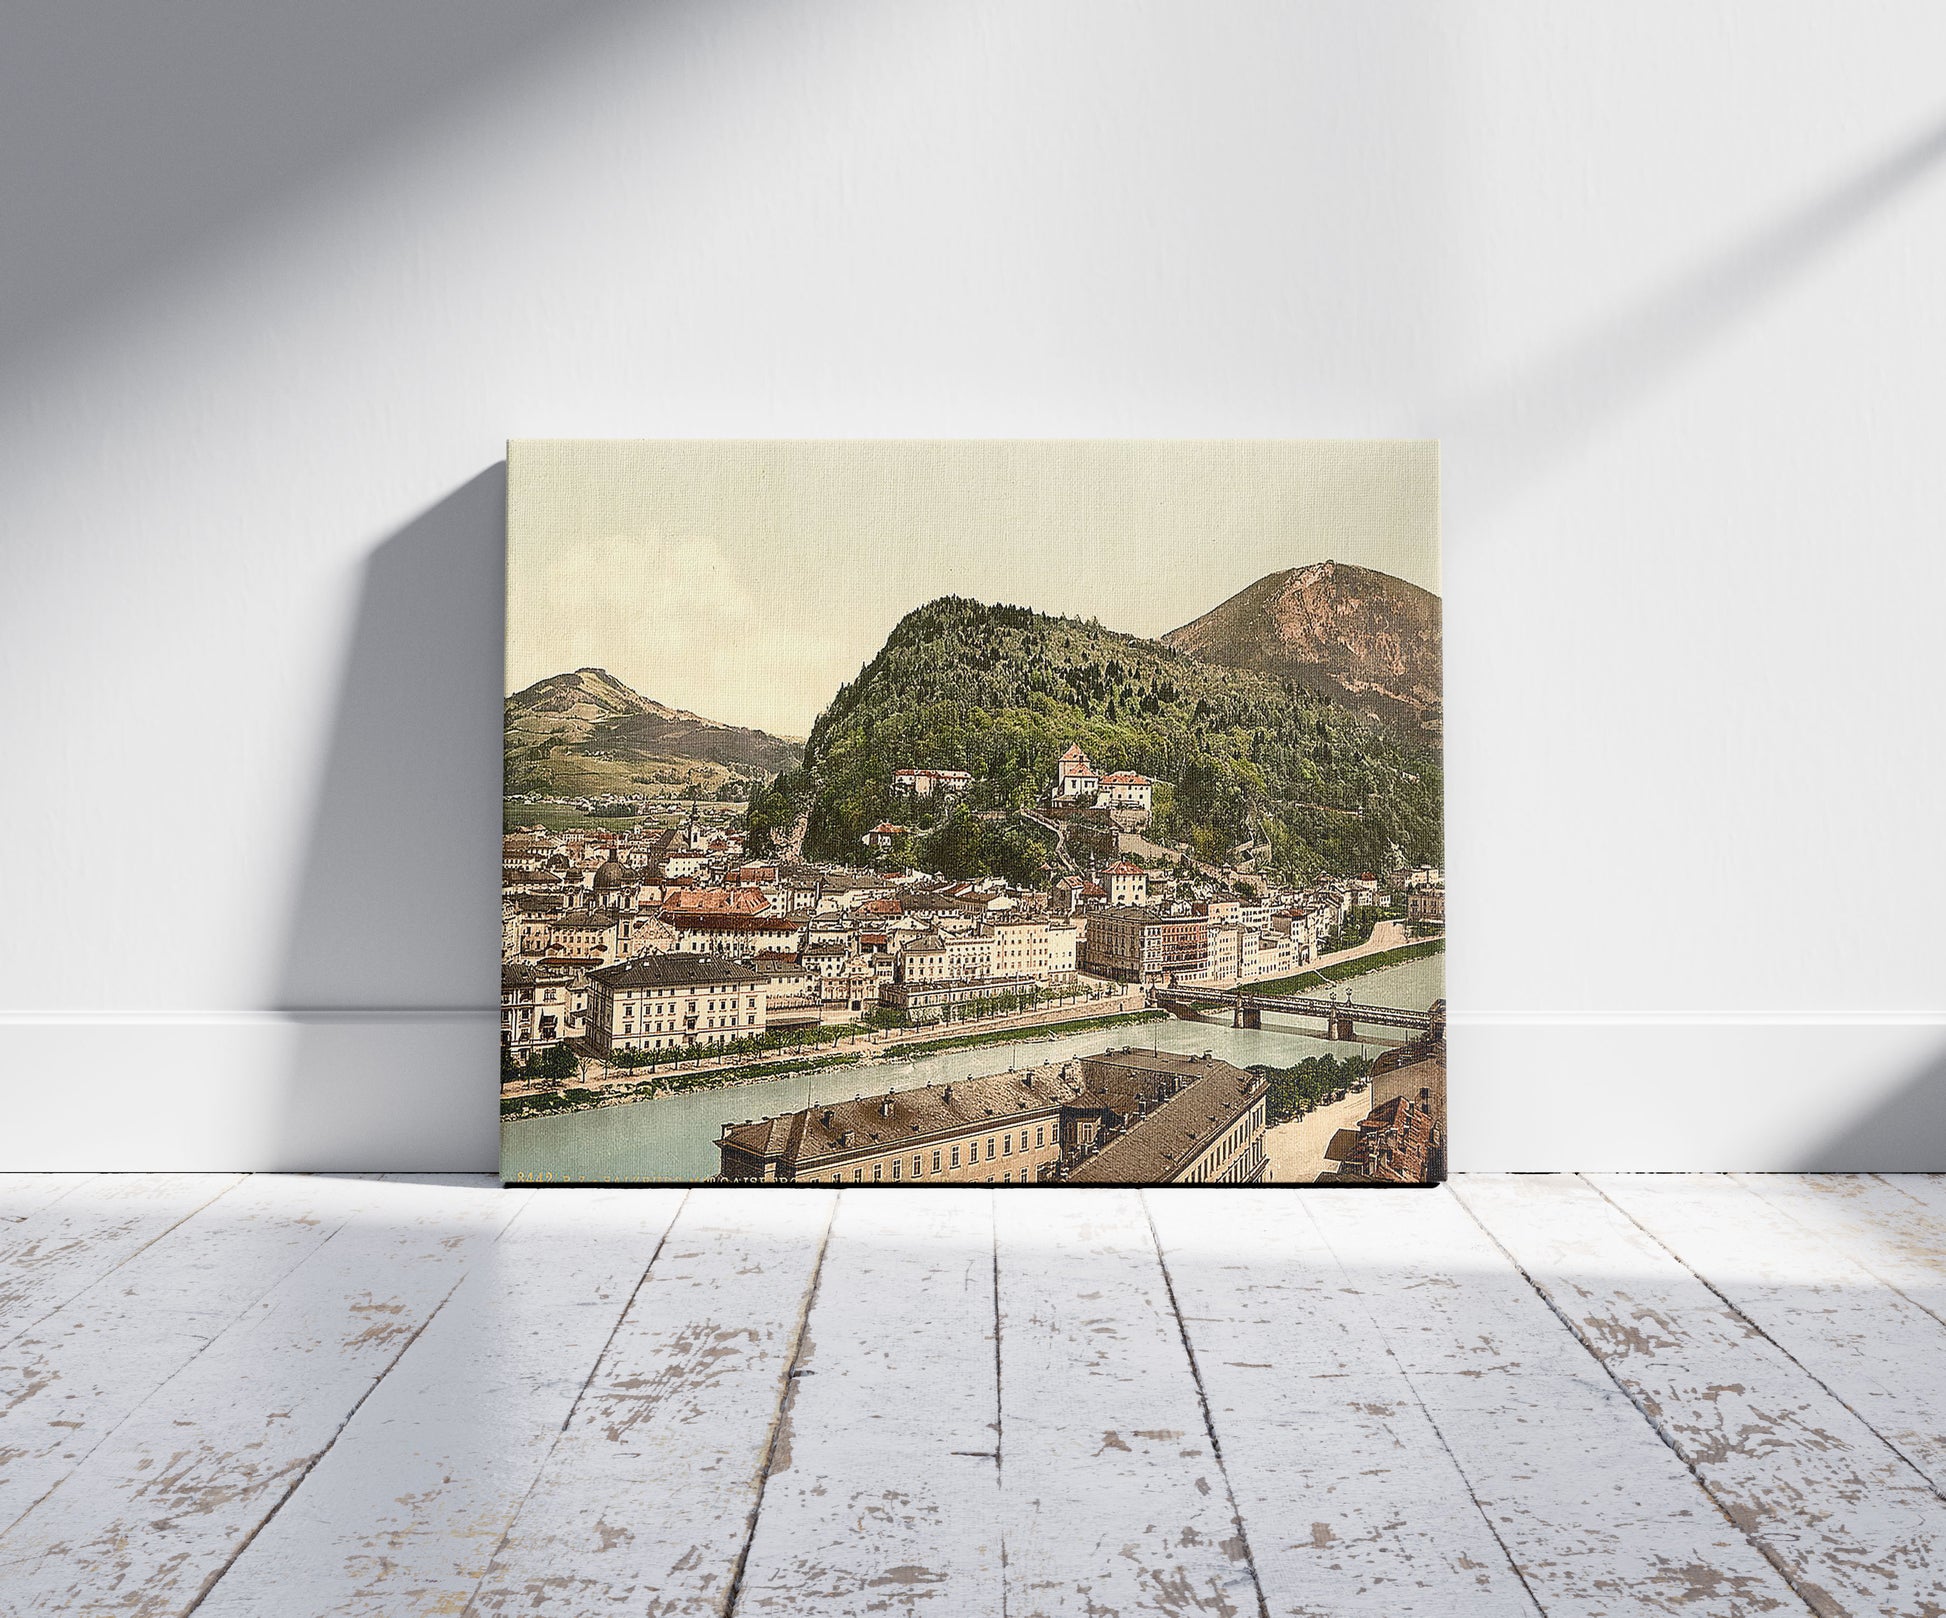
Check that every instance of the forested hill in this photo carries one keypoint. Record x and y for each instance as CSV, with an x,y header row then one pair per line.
x,y
1001,691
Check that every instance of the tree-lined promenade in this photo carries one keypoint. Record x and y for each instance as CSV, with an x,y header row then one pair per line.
x,y
598,1081
1373,957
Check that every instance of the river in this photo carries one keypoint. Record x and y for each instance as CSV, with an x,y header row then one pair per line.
x,y
673,1138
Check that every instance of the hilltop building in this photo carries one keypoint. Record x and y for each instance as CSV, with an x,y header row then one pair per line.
x,y
916,783
1076,780
1128,798
1126,790
1121,1118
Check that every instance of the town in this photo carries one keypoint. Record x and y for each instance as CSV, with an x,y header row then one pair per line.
x,y
661,947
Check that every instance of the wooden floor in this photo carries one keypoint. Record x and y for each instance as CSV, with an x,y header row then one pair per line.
x,y
1561,1395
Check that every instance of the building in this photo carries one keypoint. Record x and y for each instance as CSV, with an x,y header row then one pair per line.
x,y
534,1005
616,885
745,901
935,1002
1266,954
924,783
1426,904
731,933
1225,953
1402,1140
850,993
882,836
1204,1127
1076,780
1125,884
1140,946
1124,789
665,1002
924,959
1123,1117
1023,948
1063,953
1072,892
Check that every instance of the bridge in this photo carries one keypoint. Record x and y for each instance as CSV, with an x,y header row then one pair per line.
x,y
1341,1017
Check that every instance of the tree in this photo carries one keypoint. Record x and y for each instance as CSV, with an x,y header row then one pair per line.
x,y
558,1063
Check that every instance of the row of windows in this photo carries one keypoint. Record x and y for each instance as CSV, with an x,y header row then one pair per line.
x,y
1002,1145
1224,1151
627,998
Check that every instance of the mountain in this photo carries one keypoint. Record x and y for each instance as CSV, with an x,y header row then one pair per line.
x,y
1351,634
586,732
1242,757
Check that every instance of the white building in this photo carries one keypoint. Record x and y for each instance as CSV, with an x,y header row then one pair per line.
x,y
1126,790
924,783
1076,780
1127,884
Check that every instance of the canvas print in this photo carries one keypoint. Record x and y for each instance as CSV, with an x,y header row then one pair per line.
x,y
1007,813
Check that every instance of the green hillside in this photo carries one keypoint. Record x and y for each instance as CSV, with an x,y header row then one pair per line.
x,y
1002,691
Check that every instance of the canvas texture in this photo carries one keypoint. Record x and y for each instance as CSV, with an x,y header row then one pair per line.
x,y
1014,813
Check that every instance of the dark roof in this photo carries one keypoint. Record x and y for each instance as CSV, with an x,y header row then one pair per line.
x,y
728,921
882,1122
670,971
539,904
1159,1145
1120,1083
595,920
613,874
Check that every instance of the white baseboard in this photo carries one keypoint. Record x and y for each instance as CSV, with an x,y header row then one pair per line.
x,y
401,1090
364,1090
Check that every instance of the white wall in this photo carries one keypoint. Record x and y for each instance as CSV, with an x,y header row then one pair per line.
x,y
279,281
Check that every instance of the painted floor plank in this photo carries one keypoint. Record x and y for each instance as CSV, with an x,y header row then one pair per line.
x,y
647,1501
1113,1497
883,1493
404,1512
1597,1513
1850,1522
1351,1502
22,1194
60,1249
1877,1352
155,1513
72,1378
1894,1225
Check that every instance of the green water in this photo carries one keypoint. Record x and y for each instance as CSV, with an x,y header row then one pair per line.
x,y
674,1137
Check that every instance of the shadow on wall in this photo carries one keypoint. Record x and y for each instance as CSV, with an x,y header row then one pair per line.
x,y
1552,408
177,125
1903,1134
391,962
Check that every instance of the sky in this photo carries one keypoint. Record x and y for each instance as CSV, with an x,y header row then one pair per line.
x,y
747,580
